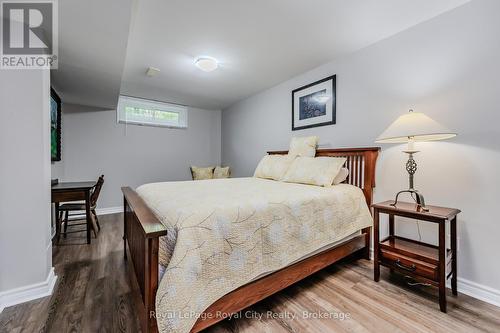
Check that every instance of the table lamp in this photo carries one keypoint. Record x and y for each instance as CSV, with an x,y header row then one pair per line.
x,y
409,128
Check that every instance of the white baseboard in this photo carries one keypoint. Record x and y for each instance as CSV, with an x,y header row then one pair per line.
x,y
28,293
109,210
479,291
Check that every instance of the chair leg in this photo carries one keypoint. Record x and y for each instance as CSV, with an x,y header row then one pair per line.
x,y
59,215
66,219
93,224
96,220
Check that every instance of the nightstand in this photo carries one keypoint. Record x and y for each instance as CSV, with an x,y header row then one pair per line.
x,y
424,262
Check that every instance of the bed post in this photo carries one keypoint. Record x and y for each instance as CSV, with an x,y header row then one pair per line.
x,y
124,228
370,159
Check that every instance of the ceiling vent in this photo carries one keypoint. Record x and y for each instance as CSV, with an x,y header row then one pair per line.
x,y
152,71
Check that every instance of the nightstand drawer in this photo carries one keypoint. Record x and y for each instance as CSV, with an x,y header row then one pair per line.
x,y
410,265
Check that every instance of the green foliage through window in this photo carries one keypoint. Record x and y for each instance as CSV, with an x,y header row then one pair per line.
x,y
133,110
147,114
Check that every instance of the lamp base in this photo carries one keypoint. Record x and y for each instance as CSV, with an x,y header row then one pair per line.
x,y
411,168
419,198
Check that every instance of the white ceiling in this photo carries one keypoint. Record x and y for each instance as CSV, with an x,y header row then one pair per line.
x,y
259,43
92,48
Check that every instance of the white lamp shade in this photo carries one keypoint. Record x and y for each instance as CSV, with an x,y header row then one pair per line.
x,y
417,126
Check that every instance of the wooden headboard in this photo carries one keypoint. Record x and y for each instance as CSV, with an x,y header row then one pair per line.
x,y
360,162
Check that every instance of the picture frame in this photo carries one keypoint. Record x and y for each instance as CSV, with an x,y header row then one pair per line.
x,y
55,126
314,104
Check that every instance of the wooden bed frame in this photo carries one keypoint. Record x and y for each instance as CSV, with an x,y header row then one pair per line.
x,y
142,230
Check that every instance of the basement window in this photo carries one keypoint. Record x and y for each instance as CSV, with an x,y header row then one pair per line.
x,y
138,111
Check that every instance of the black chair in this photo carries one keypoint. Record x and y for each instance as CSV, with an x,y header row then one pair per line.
x,y
66,208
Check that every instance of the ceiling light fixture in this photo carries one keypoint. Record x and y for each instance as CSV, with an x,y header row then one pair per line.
x,y
206,64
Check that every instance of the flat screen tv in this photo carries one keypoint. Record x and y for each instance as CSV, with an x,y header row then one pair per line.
x,y
55,126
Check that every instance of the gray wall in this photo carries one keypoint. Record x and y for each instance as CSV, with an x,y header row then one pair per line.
x,y
25,244
131,155
448,68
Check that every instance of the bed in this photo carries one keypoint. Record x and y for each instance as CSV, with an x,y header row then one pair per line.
x,y
208,249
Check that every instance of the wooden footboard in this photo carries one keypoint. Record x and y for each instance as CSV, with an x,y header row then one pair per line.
x,y
142,231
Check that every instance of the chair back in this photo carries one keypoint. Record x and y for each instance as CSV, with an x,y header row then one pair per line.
x,y
95,193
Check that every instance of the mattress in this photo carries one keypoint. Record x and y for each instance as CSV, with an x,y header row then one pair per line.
x,y
225,233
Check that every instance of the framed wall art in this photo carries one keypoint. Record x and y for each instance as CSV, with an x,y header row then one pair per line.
x,y
314,104
55,126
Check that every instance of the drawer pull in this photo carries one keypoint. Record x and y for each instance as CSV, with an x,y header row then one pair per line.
x,y
411,268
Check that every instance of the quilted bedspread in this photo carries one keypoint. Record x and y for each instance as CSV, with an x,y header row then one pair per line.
x,y
223,233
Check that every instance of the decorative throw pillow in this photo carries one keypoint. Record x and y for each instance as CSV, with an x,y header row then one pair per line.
x,y
202,173
303,146
314,170
221,172
341,176
273,166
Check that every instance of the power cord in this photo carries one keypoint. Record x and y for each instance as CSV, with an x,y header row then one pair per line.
x,y
418,230
416,221
409,279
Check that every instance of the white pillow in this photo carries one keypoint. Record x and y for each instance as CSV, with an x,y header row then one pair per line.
x,y
314,170
303,146
341,176
273,166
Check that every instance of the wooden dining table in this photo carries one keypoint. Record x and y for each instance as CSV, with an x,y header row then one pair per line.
x,y
73,191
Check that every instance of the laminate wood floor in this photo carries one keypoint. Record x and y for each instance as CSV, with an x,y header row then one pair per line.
x,y
93,294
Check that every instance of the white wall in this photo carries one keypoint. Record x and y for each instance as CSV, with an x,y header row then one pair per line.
x,y
25,243
448,68
131,155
